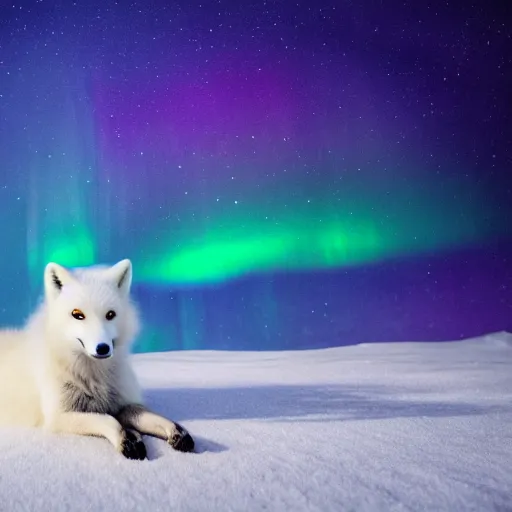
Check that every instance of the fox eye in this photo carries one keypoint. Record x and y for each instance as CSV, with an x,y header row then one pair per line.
x,y
76,313
110,315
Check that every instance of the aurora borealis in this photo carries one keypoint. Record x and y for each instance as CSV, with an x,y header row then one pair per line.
x,y
282,175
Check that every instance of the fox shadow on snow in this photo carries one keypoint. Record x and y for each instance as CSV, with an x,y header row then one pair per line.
x,y
290,403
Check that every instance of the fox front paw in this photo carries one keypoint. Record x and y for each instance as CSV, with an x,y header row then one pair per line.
x,y
133,447
181,440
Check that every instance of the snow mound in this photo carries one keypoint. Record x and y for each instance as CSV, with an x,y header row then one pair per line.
x,y
396,426
499,339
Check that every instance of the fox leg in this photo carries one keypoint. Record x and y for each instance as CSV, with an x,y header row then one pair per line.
x,y
101,425
138,417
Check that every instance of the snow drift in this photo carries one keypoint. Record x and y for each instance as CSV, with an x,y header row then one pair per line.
x,y
395,426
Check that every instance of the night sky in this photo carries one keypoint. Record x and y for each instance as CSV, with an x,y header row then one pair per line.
x,y
282,174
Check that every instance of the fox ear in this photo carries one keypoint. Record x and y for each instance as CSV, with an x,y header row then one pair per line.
x,y
121,274
55,277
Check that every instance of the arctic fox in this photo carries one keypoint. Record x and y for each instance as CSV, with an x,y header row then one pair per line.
x,y
68,369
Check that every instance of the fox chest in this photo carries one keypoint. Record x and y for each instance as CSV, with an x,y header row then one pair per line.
x,y
101,399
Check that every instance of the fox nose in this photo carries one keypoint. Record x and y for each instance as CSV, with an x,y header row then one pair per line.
x,y
102,349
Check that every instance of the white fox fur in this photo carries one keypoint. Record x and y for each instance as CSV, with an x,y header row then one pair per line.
x,y
68,369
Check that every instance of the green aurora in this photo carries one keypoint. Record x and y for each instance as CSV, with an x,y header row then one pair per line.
x,y
363,225
356,232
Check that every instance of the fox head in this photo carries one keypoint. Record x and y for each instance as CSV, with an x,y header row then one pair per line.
x,y
89,309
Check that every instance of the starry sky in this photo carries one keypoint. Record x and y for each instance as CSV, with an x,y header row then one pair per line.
x,y
282,174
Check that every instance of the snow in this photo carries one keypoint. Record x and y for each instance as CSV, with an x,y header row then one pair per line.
x,y
375,427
